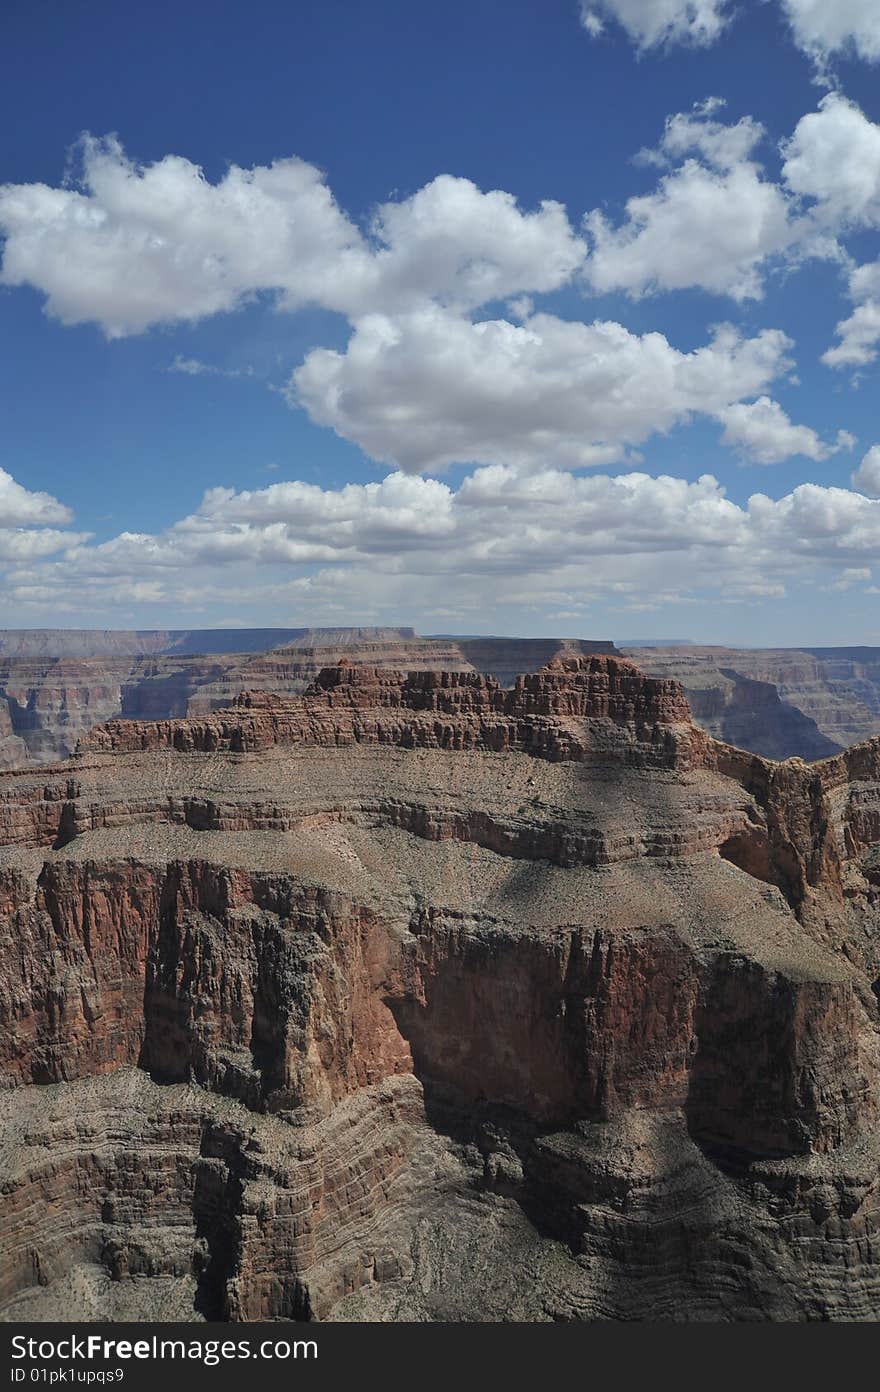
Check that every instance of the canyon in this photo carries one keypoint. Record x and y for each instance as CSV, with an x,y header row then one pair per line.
x,y
55,685
780,702
423,995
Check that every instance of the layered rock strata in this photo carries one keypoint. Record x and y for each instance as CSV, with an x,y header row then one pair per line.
x,y
778,702
414,997
56,684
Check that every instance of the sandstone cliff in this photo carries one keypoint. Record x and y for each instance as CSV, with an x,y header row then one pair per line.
x,y
417,997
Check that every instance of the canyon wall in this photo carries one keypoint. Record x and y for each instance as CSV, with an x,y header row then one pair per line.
x,y
416,997
777,702
55,684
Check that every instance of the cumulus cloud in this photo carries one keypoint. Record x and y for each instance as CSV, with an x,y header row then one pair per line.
x,y
31,523
816,524
21,508
455,244
406,534
864,281
763,432
824,28
711,223
722,145
426,390
425,381
133,246
866,478
859,336
654,23
833,157
140,246
558,541
137,246
716,222
18,544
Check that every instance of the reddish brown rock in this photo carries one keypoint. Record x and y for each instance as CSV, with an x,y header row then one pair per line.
x,y
416,997
56,684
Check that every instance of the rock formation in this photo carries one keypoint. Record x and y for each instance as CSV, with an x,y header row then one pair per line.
x,y
55,684
778,702
415,997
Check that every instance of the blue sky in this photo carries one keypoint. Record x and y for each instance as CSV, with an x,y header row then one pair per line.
x,y
327,313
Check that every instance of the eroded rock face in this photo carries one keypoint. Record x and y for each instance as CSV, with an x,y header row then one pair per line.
x,y
416,997
778,702
56,684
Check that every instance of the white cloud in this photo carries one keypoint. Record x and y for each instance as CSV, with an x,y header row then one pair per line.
x,y
194,367
139,246
864,281
762,431
859,336
21,508
418,547
723,146
31,523
142,246
815,524
455,244
824,28
397,538
834,157
425,390
850,576
399,511
716,222
711,223
866,478
18,544
190,367
653,23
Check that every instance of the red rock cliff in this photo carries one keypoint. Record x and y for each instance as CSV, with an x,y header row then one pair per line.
x,y
418,998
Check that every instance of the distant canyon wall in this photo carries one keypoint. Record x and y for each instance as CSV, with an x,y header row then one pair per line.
x,y
779,702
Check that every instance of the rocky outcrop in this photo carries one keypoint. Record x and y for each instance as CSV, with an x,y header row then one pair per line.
x,y
55,684
414,997
350,704
290,669
13,750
